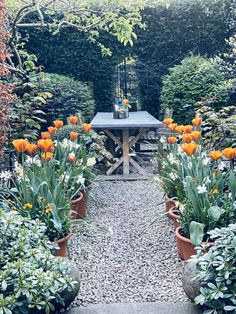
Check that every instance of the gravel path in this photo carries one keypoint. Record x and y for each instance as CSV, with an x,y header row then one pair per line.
x,y
121,256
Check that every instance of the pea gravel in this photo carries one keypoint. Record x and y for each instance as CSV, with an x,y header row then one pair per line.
x,y
121,255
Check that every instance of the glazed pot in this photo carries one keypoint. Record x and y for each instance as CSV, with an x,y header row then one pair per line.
x,y
188,249
78,210
169,203
174,217
62,243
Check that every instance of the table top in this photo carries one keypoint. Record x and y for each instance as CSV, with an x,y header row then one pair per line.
x,y
138,119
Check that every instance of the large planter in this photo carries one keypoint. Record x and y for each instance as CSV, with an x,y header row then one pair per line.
x,y
188,249
78,210
62,243
169,204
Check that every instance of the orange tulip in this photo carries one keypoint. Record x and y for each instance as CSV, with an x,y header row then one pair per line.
x,y
196,135
187,138
71,158
73,119
172,126
180,129
188,128
45,135
86,127
229,152
215,154
58,124
190,149
172,139
168,121
73,135
52,130
46,145
47,156
197,121
31,148
126,102
20,145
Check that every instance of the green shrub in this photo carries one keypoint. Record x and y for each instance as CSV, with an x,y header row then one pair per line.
x,y
194,80
31,278
217,272
68,97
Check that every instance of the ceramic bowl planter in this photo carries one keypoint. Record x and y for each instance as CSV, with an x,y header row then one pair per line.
x,y
63,247
78,210
188,249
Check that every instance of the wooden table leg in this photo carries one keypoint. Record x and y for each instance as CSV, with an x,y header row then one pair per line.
x,y
126,151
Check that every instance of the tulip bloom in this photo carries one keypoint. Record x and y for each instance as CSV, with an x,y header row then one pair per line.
x,y
52,130
31,148
46,145
73,119
58,124
47,156
71,158
172,126
187,138
126,102
197,121
168,121
73,135
196,135
86,127
190,149
229,152
172,139
188,128
215,154
20,145
45,135
180,129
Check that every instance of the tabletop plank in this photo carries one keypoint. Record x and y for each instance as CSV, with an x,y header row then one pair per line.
x,y
138,119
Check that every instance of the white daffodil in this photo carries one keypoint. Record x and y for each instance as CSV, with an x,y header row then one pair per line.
x,y
201,189
206,161
163,140
207,180
173,176
80,180
91,161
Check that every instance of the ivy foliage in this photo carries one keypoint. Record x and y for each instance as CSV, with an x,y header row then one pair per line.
x,y
66,97
196,78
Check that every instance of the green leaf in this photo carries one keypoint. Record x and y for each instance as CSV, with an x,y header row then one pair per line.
x,y
196,231
214,213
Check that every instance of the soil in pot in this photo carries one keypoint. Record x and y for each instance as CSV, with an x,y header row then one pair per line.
x,y
62,243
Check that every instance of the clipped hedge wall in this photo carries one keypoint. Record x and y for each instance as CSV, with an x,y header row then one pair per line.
x,y
68,97
195,79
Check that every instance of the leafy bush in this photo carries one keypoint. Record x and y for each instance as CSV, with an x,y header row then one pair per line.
x,y
195,79
216,271
32,279
68,97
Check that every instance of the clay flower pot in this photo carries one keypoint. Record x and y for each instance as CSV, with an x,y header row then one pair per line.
x,y
169,203
174,217
188,249
62,243
78,210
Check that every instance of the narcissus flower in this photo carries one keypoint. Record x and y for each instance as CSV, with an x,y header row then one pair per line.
x,y
215,154
46,145
168,121
47,156
73,135
197,121
45,135
188,128
187,138
229,152
172,139
73,119
28,205
172,126
52,130
196,135
87,127
48,209
180,129
190,149
58,124
31,148
20,145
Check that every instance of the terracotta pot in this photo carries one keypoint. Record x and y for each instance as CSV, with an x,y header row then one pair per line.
x,y
174,217
188,249
62,243
169,203
78,211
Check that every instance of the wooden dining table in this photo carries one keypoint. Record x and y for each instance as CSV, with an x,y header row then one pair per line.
x,y
125,133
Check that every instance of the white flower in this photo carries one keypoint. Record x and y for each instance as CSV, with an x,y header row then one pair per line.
x,y
173,176
162,140
207,180
205,161
222,165
18,169
180,206
172,159
5,175
91,161
80,180
201,189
